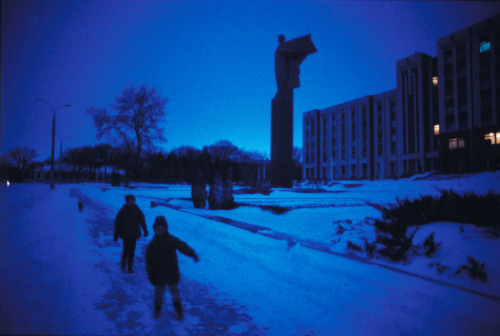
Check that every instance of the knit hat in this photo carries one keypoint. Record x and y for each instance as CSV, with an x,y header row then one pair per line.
x,y
160,220
127,197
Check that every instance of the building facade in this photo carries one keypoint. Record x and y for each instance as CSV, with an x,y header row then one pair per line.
x,y
444,116
469,66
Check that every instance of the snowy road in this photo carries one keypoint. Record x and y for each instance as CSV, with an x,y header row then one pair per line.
x,y
60,275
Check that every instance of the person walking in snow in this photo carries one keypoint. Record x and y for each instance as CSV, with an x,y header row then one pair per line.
x,y
128,223
162,266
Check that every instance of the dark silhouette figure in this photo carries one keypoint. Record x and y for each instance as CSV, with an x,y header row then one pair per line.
x,y
162,265
128,223
288,57
80,206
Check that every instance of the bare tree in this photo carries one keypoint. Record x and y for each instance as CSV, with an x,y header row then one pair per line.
x,y
252,155
137,122
224,150
21,157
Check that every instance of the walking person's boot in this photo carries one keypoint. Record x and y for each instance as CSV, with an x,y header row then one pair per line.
x,y
178,310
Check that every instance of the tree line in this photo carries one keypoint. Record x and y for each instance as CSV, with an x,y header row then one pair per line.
x,y
134,125
99,162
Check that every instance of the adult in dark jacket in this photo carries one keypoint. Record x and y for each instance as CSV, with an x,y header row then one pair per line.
x,y
128,223
162,265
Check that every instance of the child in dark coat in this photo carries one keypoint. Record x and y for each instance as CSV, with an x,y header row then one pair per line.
x,y
162,265
128,223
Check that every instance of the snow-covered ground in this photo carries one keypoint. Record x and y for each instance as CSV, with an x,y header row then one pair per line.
x,y
60,273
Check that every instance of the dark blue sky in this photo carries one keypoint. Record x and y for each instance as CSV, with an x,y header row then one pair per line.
x,y
213,60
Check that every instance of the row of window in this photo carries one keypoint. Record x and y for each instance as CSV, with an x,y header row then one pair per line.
x,y
489,138
410,165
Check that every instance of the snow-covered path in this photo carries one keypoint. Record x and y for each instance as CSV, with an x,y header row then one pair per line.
x,y
60,275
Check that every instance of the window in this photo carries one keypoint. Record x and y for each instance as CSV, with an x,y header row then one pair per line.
x,y
450,121
452,143
435,81
436,129
447,56
492,138
455,143
462,120
484,46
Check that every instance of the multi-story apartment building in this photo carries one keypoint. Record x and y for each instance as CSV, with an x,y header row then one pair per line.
x,y
418,122
349,140
469,73
443,116
385,135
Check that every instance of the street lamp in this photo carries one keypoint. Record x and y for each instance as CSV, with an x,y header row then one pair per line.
x,y
53,136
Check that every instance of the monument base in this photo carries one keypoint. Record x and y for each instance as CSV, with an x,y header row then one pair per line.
x,y
281,173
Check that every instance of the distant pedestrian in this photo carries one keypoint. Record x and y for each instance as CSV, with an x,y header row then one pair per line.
x,y
128,223
80,206
162,265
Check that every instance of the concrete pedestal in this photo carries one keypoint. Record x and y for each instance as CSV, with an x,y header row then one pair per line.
x,y
282,139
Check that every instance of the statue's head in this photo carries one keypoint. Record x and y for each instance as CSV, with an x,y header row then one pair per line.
x,y
281,38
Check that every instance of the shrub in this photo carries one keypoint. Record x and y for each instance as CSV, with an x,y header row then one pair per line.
x,y
340,229
393,235
475,269
430,246
440,268
370,248
483,211
275,209
352,246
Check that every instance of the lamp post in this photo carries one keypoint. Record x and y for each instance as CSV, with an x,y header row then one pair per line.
x,y
53,137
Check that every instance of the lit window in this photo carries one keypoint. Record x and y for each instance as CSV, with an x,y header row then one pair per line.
x,y
484,46
492,138
452,143
435,81
436,129
455,143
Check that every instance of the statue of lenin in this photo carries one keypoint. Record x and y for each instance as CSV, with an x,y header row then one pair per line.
x,y
288,57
